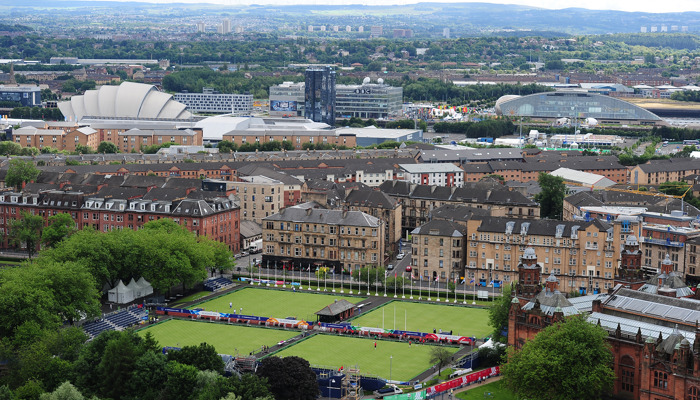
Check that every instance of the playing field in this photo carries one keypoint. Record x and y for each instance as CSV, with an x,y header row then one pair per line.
x,y
274,303
421,317
336,351
227,339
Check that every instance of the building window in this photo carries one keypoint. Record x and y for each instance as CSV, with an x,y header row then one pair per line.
x,y
693,393
660,380
627,372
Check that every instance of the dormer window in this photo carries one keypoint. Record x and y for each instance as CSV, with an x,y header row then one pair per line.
x,y
132,206
153,207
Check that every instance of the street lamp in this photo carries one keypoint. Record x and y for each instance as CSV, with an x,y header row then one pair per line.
x,y
390,362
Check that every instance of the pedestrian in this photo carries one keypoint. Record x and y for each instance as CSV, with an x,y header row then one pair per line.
x,y
409,343
241,310
434,331
230,304
375,344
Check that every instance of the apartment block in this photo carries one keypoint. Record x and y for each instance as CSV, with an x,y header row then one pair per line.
x,y
438,251
259,196
307,238
378,204
419,200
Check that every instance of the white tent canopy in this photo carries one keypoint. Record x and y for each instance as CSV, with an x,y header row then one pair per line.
x,y
120,294
146,286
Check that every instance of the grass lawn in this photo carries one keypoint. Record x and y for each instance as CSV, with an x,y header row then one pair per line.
x,y
464,321
192,297
334,351
275,303
225,338
496,389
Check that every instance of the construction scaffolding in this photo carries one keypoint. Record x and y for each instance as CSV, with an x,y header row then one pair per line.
x,y
351,389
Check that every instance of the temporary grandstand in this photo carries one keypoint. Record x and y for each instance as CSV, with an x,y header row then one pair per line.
x,y
117,321
216,284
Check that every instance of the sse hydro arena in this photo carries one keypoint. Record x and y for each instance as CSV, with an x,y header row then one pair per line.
x,y
552,106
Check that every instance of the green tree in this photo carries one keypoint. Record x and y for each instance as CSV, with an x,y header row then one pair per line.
x,y
9,148
226,146
149,376
203,357
64,392
290,378
108,148
498,314
251,387
26,231
60,227
551,198
440,356
20,171
180,382
542,368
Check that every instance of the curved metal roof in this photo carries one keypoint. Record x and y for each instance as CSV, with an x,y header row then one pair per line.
x,y
128,100
566,104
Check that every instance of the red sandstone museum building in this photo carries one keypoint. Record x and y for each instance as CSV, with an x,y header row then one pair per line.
x,y
652,324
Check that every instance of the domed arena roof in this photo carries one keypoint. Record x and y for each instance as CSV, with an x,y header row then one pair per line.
x,y
129,100
560,104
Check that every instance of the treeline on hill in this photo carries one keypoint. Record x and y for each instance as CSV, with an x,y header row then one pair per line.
x,y
488,128
677,41
193,80
430,89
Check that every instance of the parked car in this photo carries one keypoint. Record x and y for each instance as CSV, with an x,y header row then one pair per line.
x,y
387,391
400,256
244,254
390,267
409,268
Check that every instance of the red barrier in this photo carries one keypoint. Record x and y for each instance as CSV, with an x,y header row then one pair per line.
x,y
464,380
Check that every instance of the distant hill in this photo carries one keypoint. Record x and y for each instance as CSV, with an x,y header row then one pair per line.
x,y
462,18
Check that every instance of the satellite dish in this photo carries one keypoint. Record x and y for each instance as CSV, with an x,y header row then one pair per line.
x,y
380,81
366,81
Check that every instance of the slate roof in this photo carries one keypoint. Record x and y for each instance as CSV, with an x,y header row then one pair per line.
x,y
457,212
336,308
331,217
249,229
370,198
542,227
670,165
551,302
476,192
439,227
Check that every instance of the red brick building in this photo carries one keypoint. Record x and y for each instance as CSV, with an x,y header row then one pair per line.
x,y
210,214
654,338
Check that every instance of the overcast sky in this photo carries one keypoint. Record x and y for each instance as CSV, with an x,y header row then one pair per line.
x,y
655,6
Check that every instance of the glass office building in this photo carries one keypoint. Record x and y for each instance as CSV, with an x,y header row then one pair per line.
x,y
555,105
369,100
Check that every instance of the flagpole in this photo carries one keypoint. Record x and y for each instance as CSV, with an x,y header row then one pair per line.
x,y
411,285
474,298
437,288
367,281
403,284
333,277
376,282
429,279
396,282
455,290
465,289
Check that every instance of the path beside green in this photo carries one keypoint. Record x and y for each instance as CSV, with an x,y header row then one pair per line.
x,y
493,390
275,303
225,338
411,316
336,351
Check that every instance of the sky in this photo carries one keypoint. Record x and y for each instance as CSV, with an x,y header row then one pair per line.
x,y
654,6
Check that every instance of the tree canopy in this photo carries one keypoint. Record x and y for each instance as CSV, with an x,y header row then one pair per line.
x,y
163,252
20,171
107,147
290,378
551,198
566,361
26,231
